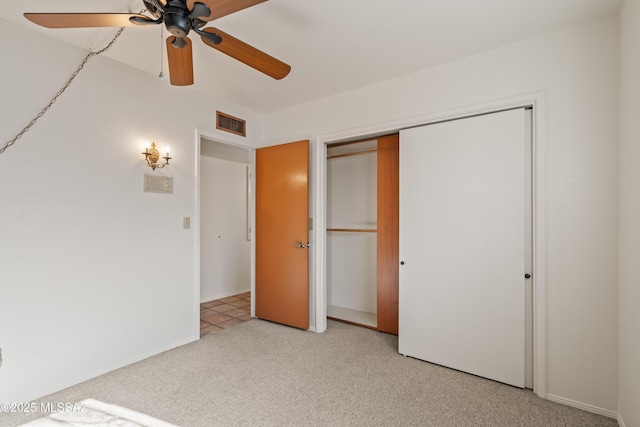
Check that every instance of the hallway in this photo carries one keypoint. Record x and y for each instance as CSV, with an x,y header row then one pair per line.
x,y
225,312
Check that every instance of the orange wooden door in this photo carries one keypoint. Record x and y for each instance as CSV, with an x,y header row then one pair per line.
x,y
388,232
282,234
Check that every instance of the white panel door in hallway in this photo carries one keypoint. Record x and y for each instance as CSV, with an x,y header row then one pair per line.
x,y
462,245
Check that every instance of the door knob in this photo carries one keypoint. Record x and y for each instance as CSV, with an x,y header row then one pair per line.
x,y
299,244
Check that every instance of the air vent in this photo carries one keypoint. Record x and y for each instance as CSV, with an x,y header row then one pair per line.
x,y
231,124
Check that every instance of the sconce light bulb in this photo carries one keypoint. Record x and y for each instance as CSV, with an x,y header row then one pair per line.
x,y
168,150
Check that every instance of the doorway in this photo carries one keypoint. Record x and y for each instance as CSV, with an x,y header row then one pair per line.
x,y
352,232
362,232
224,220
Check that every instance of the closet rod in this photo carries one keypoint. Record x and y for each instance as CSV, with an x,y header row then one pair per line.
x,y
375,150
353,230
357,141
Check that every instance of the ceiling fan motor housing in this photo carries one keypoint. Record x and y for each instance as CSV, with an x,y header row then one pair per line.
x,y
176,18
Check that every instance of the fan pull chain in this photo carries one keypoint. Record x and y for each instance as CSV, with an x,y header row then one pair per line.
x,y
61,91
161,75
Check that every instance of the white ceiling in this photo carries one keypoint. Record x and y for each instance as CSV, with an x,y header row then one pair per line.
x,y
332,45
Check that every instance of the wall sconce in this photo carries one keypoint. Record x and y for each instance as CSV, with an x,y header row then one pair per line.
x,y
152,155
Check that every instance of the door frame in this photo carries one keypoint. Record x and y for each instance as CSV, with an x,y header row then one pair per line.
x,y
535,100
195,223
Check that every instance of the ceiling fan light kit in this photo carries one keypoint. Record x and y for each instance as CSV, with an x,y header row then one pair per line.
x,y
179,17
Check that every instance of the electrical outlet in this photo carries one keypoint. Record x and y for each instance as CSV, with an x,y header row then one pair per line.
x,y
186,222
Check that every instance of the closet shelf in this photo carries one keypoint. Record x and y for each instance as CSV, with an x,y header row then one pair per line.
x,y
353,230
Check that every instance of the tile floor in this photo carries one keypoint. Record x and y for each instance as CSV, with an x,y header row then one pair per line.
x,y
221,313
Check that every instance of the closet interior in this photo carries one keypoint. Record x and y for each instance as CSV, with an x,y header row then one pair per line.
x,y
362,232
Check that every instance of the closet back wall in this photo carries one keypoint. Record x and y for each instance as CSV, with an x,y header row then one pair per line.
x,y
351,256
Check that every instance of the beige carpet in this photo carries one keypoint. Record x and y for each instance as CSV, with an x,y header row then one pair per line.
x,y
263,374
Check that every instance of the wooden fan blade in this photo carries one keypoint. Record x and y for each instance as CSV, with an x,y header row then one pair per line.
x,y
220,8
247,54
180,63
81,20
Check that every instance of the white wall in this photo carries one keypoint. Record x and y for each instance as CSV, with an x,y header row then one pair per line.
x,y
225,252
94,273
629,409
577,68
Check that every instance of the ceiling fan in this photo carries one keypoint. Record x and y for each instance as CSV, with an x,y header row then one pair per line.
x,y
179,17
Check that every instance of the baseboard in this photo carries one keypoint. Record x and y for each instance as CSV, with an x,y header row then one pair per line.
x,y
583,406
223,295
620,421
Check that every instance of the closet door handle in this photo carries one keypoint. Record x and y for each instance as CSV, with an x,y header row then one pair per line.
x,y
299,244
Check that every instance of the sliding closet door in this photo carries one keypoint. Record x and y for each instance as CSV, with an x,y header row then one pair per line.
x,y
388,218
462,245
